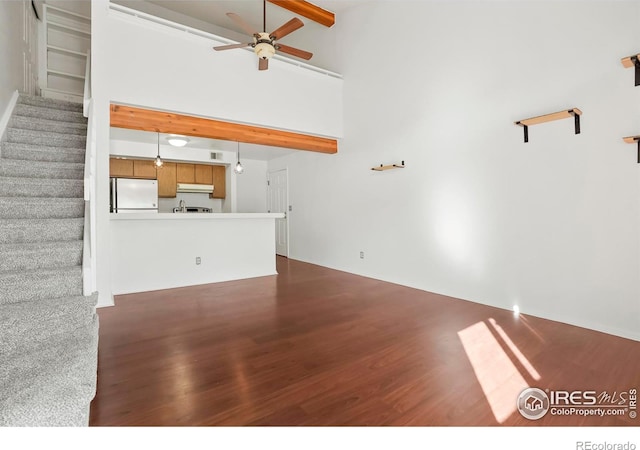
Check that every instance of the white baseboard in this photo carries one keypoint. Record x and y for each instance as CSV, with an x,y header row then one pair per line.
x,y
4,120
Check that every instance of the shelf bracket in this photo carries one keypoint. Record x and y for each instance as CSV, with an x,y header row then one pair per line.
x,y
636,63
633,140
576,120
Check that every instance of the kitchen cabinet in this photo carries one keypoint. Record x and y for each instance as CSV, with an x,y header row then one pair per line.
x,y
203,174
170,174
121,168
132,168
144,169
219,174
167,183
186,173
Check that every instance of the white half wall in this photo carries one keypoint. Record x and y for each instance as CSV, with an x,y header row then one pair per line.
x,y
160,253
552,226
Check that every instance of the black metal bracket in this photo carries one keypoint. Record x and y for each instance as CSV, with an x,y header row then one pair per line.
x,y
636,63
576,121
526,131
638,141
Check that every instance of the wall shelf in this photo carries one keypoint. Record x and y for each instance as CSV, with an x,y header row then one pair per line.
x,y
632,61
380,168
565,114
633,140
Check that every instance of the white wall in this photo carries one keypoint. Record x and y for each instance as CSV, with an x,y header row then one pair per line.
x,y
161,254
155,66
552,226
11,74
251,187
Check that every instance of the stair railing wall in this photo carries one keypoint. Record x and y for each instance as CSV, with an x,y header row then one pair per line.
x,y
89,280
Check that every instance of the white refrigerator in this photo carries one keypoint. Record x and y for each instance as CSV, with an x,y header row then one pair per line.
x,y
130,196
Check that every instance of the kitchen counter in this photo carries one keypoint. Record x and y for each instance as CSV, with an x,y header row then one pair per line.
x,y
169,250
195,216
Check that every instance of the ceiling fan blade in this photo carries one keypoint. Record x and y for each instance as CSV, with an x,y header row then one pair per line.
x,y
294,51
263,64
241,23
287,28
230,46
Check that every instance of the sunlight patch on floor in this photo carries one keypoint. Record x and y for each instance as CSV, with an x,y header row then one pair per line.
x,y
498,377
515,350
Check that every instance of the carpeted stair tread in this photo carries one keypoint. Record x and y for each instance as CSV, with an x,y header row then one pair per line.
x,y
40,255
25,327
29,152
50,386
40,112
40,284
41,208
14,231
45,138
49,103
56,126
40,169
34,187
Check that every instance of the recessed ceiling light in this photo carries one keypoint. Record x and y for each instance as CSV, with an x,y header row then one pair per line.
x,y
177,140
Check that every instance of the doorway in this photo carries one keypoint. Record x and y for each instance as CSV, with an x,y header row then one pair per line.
x,y
278,202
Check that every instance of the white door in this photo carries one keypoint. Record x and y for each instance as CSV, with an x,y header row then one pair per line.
x,y
278,202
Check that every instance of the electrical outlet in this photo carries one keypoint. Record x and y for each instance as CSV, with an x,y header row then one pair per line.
x,y
361,255
198,260
290,208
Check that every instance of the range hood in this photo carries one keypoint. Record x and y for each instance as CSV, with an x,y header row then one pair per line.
x,y
199,188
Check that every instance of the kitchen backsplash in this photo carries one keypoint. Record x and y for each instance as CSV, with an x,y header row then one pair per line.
x,y
166,205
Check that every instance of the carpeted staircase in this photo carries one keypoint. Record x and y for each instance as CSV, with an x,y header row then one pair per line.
x,y
48,329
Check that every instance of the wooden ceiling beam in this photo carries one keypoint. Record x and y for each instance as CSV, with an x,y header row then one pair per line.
x,y
133,118
308,10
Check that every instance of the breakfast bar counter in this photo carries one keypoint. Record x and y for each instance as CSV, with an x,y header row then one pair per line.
x,y
152,251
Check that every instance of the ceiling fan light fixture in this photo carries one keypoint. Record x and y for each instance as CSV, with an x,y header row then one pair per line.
x,y
177,140
264,50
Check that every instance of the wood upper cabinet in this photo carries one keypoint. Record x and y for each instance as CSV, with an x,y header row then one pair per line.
x,y
121,167
204,174
132,168
144,169
186,173
219,182
167,183
170,174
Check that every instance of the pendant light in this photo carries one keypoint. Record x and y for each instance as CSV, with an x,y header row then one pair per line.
x,y
238,169
158,162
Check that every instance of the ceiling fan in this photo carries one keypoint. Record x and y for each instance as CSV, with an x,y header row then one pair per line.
x,y
264,44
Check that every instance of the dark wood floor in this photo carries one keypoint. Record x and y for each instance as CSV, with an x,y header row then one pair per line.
x,y
314,346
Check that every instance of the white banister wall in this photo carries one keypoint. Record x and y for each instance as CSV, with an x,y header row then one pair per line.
x,y
89,253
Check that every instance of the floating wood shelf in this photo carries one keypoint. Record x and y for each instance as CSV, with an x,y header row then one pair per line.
x,y
633,140
565,114
632,61
389,167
